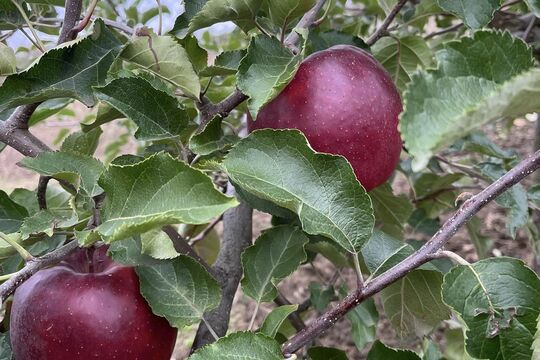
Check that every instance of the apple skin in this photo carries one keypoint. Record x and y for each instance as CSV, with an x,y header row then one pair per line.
x,y
345,103
87,307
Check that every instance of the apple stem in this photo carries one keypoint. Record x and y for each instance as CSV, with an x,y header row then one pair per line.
x,y
22,251
212,331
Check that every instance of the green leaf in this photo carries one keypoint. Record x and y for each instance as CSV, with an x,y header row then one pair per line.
x,y
324,353
240,346
155,192
363,319
273,257
455,345
157,244
329,200
273,321
10,17
165,58
210,12
211,138
226,63
129,252
444,105
534,5
49,108
391,211
490,55
481,243
69,70
379,351
514,199
480,143
401,57
77,169
320,295
265,70
8,62
534,194
11,214
180,290
318,41
46,221
475,14
157,114
284,12
414,304
499,301
84,143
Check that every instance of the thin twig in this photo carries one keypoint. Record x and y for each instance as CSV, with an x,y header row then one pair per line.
x,y
38,42
443,31
467,210
529,28
205,232
160,11
305,22
33,41
182,246
294,317
383,29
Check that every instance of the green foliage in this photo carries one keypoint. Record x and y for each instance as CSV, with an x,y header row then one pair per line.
x,y
158,181
379,351
241,346
275,319
475,14
324,353
181,290
70,70
8,63
499,301
268,164
11,214
274,256
211,138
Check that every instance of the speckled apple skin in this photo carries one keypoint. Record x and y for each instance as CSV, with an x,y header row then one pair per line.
x,y
345,103
71,312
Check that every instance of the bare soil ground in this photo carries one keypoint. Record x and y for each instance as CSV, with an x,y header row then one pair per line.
x,y
296,288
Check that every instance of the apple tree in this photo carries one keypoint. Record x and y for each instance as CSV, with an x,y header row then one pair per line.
x,y
370,131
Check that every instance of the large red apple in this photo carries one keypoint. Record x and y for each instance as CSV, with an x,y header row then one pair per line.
x,y
87,307
345,103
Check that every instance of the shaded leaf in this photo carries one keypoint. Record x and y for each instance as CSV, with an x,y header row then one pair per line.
x,y
320,295
325,353
11,214
210,12
414,304
155,192
181,290
8,62
77,169
274,256
379,351
284,12
211,138
277,316
84,143
157,244
157,114
225,63
391,211
5,347
499,301
46,221
329,200
69,70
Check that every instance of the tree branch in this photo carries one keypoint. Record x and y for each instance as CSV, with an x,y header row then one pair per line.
x,y
42,191
182,246
383,29
305,23
237,235
421,256
33,266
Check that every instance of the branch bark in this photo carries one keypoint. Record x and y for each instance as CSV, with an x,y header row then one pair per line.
x,y
421,256
383,29
291,41
237,235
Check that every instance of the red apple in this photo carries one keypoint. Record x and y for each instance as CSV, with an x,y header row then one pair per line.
x,y
87,307
345,103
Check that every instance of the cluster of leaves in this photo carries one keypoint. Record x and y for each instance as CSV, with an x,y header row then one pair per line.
x,y
452,86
